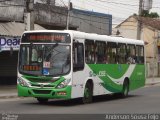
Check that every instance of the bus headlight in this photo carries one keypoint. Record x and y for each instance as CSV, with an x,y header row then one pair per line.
x,y
22,82
64,83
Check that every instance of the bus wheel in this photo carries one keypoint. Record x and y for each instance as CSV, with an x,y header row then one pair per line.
x,y
88,93
42,100
125,88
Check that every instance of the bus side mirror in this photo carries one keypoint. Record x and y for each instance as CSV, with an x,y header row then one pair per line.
x,y
78,56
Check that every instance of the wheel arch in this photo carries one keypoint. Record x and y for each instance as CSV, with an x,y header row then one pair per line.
x,y
90,81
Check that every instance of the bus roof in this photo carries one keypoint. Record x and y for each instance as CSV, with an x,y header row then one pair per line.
x,y
83,35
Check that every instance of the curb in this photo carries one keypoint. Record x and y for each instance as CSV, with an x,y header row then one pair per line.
x,y
9,96
152,83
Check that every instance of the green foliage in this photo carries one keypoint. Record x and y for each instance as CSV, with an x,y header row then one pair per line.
x,y
145,13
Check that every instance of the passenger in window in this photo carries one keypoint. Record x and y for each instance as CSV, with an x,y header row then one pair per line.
x,y
106,59
92,57
34,55
130,59
89,57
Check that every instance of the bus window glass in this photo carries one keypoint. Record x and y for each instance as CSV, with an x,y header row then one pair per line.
x,y
121,56
36,53
112,51
100,52
140,54
89,51
25,55
51,60
131,54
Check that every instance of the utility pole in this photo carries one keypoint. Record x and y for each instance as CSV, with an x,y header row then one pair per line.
x,y
139,24
68,13
30,14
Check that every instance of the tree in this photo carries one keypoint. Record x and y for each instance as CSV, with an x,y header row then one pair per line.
x,y
154,15
145,13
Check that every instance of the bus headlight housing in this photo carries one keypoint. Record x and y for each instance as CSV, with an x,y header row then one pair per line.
x,y
64,83
22,82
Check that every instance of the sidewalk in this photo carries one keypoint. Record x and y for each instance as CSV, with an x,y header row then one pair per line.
x,y
152,81
10,91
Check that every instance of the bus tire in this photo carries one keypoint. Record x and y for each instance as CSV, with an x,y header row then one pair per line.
x,y
125,90
88,93
42,100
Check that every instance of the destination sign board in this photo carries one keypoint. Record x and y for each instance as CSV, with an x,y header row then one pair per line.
x,y
46,37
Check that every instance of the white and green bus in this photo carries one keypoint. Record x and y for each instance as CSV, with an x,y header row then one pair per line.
x,y
70,64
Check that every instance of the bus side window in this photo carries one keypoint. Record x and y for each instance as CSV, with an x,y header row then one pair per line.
x,y
139,54
121,49
89,51
100,47
131,54
112,52
78,56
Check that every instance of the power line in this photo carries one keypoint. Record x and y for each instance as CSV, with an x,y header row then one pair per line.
x,y
108,8
90,10
133,5
118,3
87,19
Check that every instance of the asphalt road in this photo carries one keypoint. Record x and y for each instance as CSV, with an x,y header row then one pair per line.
x,y
145,100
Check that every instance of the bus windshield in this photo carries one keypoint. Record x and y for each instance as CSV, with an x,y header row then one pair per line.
x,y
46,59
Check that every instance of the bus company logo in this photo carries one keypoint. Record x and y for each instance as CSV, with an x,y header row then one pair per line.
x,y
41,85
92,74
100,74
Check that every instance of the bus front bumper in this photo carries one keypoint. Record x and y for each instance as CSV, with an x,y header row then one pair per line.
x,y
49,93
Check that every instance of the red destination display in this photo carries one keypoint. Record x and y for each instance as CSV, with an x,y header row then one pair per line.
x,y
46,38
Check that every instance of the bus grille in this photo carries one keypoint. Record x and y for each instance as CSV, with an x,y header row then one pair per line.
x,y
42,91
38,85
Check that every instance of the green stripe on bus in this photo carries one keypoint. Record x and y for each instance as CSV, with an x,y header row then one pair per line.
x,y
116,71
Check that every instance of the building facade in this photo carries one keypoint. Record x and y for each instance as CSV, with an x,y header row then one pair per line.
x,y
10,33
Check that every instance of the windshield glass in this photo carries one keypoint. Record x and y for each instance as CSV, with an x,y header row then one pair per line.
x,y
50,59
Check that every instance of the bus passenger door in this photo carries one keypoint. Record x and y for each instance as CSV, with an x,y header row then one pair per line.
x,y
78,56
78,70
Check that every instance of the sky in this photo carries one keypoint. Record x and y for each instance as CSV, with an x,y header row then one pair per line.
x,y
119,9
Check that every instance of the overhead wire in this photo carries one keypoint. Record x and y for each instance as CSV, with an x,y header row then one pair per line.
x,y
84,18
113,18
106,7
